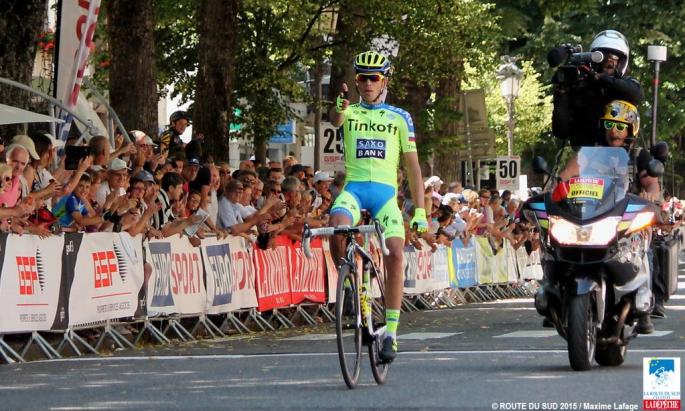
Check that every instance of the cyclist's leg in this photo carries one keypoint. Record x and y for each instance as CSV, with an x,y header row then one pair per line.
x,y
345,211
391,218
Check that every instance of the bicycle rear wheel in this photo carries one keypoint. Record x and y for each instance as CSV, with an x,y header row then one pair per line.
x,y
378,368
347,329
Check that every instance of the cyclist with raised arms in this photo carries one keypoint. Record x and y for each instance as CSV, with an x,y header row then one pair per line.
x,y
374,136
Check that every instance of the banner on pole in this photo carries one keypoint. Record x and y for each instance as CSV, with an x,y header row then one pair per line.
x,y
78,20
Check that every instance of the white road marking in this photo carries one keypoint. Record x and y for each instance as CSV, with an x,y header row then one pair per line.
x,y
528,334
410,336
675,307
311,337
327,354
681,285
425,336
657,333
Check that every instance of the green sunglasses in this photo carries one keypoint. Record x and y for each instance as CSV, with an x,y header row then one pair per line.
x,y
611,124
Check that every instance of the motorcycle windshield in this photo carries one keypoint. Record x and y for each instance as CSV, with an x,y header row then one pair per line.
x,y
602,182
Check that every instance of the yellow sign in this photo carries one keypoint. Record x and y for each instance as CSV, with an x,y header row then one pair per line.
x,y
586,188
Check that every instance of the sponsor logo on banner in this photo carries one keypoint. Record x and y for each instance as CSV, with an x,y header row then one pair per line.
x,y
229,274
418,269
220,265
107,278
440,268
29,269
160,258
273,279
29,289
176,284
307,279
661,383
464,273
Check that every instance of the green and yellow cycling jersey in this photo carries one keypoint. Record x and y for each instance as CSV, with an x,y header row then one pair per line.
x,y
374,136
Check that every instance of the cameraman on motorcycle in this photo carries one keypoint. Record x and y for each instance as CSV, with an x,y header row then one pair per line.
x,y
621,125
581,92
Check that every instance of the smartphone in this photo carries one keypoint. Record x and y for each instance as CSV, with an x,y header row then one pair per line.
x,y
74,155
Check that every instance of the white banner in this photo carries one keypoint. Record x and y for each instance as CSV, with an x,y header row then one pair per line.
x,y
230,274
107,277
78,19
529,265
30,278
418,269
176,284
441,271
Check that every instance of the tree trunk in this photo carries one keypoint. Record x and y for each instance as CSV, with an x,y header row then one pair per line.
x,y
133,70
19,30
342,70
216,74
444,155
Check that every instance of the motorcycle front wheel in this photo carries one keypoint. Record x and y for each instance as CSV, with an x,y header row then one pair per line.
x,y
582,333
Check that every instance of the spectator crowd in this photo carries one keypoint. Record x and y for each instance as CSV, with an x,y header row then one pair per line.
x,y
163,187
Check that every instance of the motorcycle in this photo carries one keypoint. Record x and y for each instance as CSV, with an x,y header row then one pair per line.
x,y
595,238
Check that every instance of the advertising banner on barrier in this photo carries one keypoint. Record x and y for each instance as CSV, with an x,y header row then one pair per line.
x,y
529,265
308,275
463,272
441,274
492,267
230,275
331,271
510,262
273,278
107,276
30,278
418,269
177,281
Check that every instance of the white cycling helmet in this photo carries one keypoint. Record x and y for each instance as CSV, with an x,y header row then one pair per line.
x,y
612,40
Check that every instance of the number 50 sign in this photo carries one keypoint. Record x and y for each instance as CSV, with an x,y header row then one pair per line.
x,y
508,169
331,148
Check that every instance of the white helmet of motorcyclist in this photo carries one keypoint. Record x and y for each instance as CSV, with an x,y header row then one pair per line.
x,y
611,41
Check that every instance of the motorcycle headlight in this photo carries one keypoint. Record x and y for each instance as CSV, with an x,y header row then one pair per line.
x,y
597,233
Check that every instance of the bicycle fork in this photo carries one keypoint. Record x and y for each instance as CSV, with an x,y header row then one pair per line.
x,y
366,311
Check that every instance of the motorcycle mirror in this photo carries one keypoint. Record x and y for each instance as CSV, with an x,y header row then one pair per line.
x,y
655,168
540,166
660,151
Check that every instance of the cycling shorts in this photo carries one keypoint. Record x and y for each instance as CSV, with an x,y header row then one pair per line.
x,y
378,198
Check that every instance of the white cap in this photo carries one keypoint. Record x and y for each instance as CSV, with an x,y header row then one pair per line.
x,y
322,176
117,164
434,181
27,143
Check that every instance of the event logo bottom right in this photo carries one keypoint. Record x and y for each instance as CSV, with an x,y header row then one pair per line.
x,y
661,383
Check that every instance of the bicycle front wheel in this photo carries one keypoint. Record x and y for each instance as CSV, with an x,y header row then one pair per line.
x,y
347,327
379,369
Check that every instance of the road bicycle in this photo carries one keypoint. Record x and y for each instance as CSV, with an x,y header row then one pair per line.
x,y
360,300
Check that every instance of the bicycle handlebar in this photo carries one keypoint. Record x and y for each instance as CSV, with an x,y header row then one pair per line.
x,y
343,229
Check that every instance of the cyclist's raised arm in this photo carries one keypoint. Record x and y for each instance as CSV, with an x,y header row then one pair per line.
x,y
337,114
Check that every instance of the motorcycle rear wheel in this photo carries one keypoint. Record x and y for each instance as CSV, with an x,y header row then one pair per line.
x,y
582,333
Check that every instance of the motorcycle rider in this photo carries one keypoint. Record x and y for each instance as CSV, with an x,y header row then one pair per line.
x,y
578,104
621,125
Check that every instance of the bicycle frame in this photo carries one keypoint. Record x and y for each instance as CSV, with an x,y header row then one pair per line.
x,y
365,296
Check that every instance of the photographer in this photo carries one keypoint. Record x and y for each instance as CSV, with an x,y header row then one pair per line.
x,y
586,82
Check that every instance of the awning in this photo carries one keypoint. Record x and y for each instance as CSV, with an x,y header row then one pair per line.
x,y
14,115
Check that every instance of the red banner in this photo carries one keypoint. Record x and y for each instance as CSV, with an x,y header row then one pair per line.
x,y
308,275
273,278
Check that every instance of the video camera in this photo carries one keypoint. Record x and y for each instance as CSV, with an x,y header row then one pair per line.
x,y
569,59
